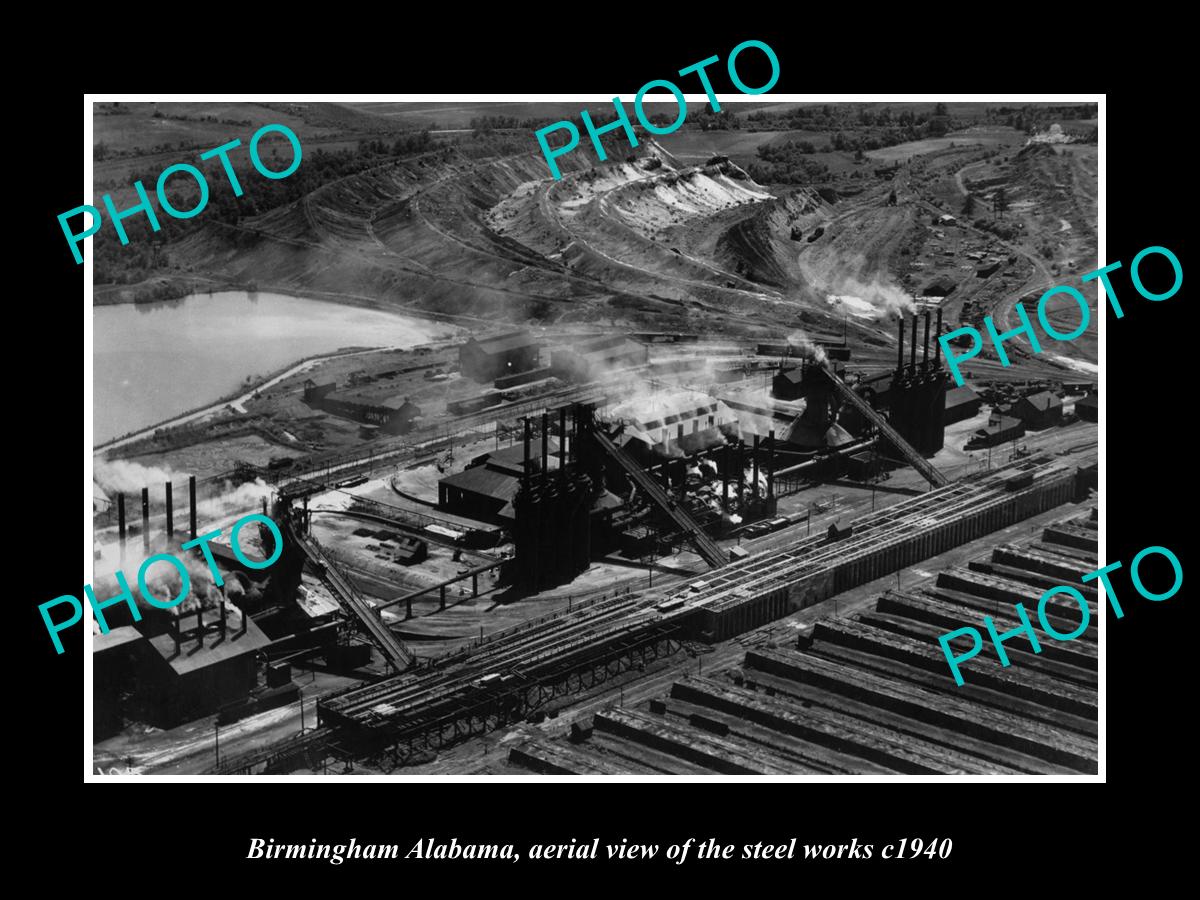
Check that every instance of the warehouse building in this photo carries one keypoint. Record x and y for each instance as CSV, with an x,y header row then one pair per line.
x,y
182,666
591,359
999,430
486,488
961,403
495,357
788,385
395,415
1040,410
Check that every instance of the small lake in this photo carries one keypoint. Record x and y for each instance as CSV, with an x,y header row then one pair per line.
x,y
154,361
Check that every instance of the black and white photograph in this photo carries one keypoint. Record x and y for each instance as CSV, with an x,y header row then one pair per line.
x,y
446,437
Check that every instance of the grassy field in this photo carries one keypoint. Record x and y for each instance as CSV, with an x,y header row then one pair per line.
x,y
985,136
192,124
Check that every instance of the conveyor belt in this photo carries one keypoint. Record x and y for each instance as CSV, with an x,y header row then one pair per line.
x,y
915,459
393,648
705,546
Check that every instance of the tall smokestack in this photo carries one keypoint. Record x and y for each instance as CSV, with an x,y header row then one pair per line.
x,y
170,514
912,351
725,477
121,524
192,504
562,441
175,632
937,344
756,467
900,345
528,437
224,616
545,440
925,345
741,475
200,625
146,519
771,466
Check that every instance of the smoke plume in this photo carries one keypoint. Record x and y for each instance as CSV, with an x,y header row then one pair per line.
x,y
123,476
808,350
858,289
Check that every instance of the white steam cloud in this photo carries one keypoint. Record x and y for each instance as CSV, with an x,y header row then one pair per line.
x,y
808,350
854,290
123,476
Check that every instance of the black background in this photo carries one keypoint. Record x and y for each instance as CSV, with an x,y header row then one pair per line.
x,y
1002,833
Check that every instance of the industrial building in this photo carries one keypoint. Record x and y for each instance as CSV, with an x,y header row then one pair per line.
x,y
999,429
787,384
1040,410
864,660
593,358
205,660
503,354
961,403
1088,408
395,415
486,487
629,479
917,398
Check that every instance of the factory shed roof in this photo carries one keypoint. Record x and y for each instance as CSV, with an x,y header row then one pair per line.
x,y
695,441
959,395
1091,401
498,485
795,376
502,342
1001,424
513,458
398,403
192,656
1043,400
606,342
